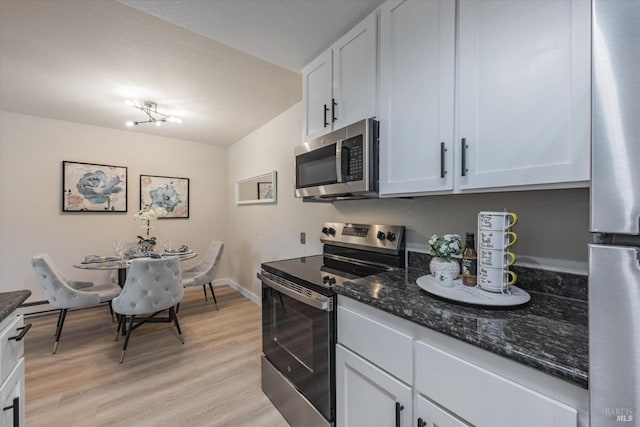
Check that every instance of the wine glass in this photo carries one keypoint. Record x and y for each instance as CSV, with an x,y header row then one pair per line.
x,y
167,245
118,249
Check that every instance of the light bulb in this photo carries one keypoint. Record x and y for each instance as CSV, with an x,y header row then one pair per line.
x,y
128,103
174,119
129,123
158,123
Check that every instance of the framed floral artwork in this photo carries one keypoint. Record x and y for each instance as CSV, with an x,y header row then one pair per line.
x,y
168,192
89,187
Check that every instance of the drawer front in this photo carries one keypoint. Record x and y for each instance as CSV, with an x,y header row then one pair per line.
x,y
383,346
12,397
483,398
430,415
10,350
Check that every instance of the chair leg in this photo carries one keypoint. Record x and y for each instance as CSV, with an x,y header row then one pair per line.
x,y
63,314
111,311
121,318
213,294
204,288
58,324
177,308
173,315
126,340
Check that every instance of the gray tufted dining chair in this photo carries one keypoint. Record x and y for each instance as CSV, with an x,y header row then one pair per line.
x,y
66,294
152,286
204,272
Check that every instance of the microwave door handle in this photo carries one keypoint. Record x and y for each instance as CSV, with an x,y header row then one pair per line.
x,y
339,161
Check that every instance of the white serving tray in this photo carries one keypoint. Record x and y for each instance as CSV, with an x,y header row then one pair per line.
x,y
473,294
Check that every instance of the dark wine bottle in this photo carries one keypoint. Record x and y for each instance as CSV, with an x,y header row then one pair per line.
x,y
470,261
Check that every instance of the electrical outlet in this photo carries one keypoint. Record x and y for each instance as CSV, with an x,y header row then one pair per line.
x,y
303,237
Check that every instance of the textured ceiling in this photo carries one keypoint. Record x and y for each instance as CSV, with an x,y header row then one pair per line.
x,y
289,33
77,60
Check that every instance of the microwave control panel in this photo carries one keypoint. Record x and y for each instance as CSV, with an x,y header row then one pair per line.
x,y
353,159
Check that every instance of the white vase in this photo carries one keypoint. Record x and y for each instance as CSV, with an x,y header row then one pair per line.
x,y
441,268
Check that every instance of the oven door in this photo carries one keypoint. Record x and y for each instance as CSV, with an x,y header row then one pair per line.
x,y
298,338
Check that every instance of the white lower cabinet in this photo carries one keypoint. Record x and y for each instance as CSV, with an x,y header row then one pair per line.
x,y
482,397
366,396
12,401
429,414
12,398
388,367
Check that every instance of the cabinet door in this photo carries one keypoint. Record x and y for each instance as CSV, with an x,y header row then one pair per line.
x,y
523,92
368,397
316,94
354,74
12,397
430,415
416,96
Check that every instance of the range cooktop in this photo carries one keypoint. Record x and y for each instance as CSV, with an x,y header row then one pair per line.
x,y
350,251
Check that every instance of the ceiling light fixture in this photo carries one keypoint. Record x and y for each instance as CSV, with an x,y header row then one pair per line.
x,y
151,110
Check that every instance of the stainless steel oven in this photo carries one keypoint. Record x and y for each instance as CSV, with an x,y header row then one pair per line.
x,y
299,321
342,164
298,337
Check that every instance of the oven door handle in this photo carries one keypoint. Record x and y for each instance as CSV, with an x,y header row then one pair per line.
x,y
321,304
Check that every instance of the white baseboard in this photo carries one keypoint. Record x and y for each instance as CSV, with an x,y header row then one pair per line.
x,y
46,308
256,299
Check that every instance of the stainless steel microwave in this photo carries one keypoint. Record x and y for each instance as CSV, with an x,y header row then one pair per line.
x,y
339,165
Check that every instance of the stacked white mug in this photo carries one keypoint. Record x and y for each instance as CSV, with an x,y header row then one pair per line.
x,y
495,239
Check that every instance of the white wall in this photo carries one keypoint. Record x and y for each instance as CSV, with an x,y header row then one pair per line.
x,y
31,219
552,225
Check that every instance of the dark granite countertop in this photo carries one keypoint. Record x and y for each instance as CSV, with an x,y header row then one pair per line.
x,y
9,301
549,333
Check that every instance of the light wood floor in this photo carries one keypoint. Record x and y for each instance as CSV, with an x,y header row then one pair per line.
x,y
211,380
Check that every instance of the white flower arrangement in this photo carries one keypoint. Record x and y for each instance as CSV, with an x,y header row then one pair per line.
x,y
145,217
445,246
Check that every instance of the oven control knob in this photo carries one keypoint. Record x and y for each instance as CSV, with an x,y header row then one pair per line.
x,y
325,279
391,236
325,230
381,235
332,280
332,231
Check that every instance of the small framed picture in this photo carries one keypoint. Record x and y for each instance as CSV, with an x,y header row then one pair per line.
x,y
171,193
90,187
265,190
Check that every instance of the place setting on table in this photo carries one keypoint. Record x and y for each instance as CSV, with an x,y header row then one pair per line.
x,y
144,248
124,254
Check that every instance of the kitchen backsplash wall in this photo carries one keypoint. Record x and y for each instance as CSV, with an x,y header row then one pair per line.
x,y
552,227
567,285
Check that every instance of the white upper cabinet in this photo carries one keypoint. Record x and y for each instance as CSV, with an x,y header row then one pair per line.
x,y
507,107
339,87
417,52
523,92
316,93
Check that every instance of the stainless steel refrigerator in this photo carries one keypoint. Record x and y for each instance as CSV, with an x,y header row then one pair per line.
x,y
614,256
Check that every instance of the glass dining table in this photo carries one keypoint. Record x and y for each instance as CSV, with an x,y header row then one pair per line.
x,y
109,263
